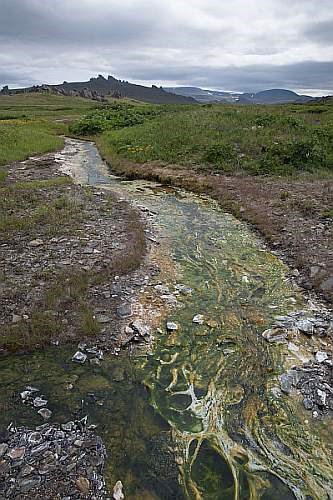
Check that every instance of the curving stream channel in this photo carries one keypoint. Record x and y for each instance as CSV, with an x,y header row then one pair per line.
x,y
201,416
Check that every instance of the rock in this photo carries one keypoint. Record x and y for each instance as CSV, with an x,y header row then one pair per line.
x,y
140,328
28,484
305,326
322,396
118,491
36,243
39,402
321,356
79,357
198,319
308,403
171,326
327,285
124,311
83,484
103,318
27,470
17,453
45,413
289,380
183,289
275,335
68,426
3,449
35,438
162,289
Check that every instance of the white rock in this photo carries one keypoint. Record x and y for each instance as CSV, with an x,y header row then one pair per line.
x,y
321,356
79,357
38,402
171,326
198,319
45,413
118,491
36,243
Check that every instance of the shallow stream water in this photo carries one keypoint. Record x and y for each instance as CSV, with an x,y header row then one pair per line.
x,y
201,416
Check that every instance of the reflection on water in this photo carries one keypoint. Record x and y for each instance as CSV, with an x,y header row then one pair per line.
x,y
201,417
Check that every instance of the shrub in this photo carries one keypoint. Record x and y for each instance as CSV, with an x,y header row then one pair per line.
x,y
220,155
282,157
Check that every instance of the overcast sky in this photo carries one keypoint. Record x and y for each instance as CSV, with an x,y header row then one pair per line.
x,y
240,45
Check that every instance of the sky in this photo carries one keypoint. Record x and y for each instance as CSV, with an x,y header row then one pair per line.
x,y
238,45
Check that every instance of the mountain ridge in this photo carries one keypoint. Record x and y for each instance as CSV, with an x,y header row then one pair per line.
x,y
269,96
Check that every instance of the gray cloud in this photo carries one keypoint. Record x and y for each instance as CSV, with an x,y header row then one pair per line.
x,y
321,32
239,45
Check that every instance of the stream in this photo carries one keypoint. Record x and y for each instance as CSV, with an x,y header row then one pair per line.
x,y
200,416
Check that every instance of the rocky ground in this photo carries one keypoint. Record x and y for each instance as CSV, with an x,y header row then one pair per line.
x,y
52,462
74,273
308,336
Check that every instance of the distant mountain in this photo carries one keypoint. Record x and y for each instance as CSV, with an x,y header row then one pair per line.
x,y
99,88
272,96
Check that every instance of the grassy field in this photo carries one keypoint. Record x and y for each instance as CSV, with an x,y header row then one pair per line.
x,y
283,140
31,123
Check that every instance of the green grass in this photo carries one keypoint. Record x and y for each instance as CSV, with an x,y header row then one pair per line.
x,y
23,206
31,123
276,140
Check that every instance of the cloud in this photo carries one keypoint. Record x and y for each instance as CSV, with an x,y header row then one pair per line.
x,y
321,32
244,44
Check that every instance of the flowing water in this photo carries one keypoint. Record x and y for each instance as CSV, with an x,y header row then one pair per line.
x,y
201,416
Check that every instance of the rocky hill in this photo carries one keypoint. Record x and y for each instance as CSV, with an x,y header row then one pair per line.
x,y
100,87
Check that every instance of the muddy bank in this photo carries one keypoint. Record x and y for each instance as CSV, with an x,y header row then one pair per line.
x,y
73,262
291,214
